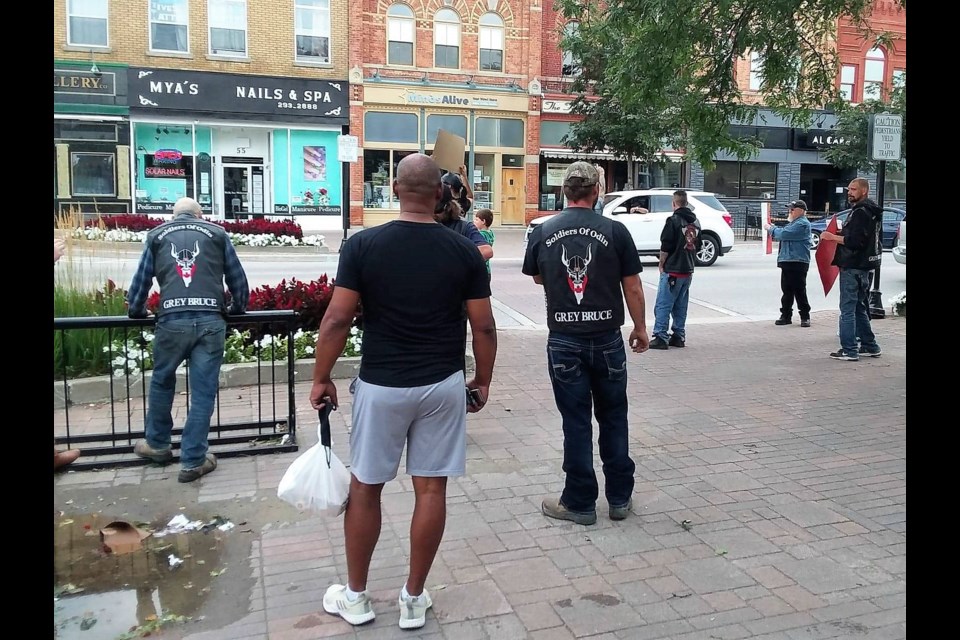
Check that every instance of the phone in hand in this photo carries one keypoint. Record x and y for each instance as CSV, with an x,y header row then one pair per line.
x,y
474,398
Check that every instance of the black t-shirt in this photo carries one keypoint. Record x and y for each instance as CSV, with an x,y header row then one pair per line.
x,y
582,258
413,280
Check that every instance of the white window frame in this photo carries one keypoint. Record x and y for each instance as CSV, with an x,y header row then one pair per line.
x,y
875,55
756,71
211,26
297,32
402,21
442,29
73,182
491,32
566,57
851,86
106,18
153,49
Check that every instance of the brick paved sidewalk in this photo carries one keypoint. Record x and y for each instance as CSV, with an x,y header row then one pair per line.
x,y
795,493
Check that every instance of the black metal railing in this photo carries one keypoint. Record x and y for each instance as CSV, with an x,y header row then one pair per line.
x,y
115,403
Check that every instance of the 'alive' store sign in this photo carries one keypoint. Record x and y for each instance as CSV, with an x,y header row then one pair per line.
x,y
197,91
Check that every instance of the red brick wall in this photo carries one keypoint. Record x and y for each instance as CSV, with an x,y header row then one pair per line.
x,y
522,63
852,47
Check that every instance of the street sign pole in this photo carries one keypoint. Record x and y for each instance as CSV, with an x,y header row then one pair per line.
x,y
347,153
884,137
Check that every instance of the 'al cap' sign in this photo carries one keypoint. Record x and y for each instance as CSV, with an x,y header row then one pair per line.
x,y
886,132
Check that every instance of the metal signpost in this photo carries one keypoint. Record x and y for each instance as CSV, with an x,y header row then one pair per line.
x,y
884,136
348,151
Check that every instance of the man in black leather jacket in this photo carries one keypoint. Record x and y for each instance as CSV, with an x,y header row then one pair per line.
x,y
858,254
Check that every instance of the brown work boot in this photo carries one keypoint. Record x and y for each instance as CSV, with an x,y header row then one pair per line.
x,y
63,458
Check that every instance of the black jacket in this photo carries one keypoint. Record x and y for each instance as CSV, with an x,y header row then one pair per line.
x,y
861,231
673,241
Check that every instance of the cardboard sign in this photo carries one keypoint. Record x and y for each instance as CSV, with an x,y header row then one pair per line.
x,y
825,252
448,150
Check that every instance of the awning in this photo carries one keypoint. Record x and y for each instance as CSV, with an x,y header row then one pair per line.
x,y
569,154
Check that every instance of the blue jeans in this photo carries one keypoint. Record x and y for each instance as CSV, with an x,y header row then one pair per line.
x,y
587,371
200,337
671,301
854,316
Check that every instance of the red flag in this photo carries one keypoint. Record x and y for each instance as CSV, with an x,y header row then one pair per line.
x,y
825,252
765,213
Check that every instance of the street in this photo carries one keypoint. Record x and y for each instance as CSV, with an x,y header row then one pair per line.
x,y
741,286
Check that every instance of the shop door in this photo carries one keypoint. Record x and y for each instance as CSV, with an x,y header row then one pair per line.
x,y
242,191
512,200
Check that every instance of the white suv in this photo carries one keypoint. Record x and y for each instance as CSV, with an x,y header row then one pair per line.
x,y
715,221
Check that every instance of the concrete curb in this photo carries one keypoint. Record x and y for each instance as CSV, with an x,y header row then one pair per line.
x,y
97,388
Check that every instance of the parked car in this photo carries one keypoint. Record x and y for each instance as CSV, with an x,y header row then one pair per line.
x,y
891,223
900,250
715,221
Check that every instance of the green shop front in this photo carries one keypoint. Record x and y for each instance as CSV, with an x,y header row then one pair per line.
x,y
91,139
242,146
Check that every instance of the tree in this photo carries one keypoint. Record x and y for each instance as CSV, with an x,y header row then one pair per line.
x,y
659,74
853,124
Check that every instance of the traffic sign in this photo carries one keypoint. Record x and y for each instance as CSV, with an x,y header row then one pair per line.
x,y
886,132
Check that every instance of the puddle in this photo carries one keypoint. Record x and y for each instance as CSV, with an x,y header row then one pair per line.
x,y
104,596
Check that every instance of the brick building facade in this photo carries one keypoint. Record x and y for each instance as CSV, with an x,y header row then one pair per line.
x,y
465,67
237,103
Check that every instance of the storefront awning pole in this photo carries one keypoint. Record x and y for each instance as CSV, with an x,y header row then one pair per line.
x,y
193,153
289,172
473,143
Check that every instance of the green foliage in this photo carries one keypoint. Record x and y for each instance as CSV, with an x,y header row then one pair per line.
x,y
853,125
82,353
659,74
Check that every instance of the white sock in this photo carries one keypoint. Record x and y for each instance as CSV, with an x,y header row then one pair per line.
x,y
352,595
406,594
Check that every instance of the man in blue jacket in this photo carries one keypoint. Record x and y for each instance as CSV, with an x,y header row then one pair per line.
x,y
793,259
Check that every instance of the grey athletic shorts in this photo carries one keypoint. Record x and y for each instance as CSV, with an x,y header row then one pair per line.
x,y
431,420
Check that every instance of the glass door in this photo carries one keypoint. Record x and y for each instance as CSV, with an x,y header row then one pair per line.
x,y
236,191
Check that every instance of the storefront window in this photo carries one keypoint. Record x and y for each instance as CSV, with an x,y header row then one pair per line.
x,y
552,132
484,180
165,165
895,185
92,174
551,182
755,180
381,126
307,175
453,124
499,132
379,170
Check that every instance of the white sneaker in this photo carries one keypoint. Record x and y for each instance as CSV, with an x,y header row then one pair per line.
x,y
358,611
413,610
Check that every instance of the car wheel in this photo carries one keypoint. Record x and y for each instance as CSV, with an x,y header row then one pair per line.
x,y
815,240
709,250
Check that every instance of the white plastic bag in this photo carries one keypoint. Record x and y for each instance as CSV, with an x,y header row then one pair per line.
x,y
317,480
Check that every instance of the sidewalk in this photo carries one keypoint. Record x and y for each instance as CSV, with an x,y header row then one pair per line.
x,y
794,494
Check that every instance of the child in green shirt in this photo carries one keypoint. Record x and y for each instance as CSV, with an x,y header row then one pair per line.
x,y
483,219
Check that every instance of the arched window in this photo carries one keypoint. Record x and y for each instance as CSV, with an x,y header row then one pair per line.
x,y
874,74
401,27
491,42
571,66
446,39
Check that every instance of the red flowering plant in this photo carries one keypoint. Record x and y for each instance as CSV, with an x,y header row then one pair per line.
x,y
323,191
129,221
262,225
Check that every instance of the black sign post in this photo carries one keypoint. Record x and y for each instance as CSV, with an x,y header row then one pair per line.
x,y
884,138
